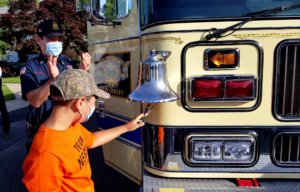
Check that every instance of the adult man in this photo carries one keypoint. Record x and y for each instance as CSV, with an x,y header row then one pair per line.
x,y
4,113
38,73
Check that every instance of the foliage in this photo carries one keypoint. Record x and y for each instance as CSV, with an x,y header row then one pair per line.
x,y
109,10
3,3
21,21
3,47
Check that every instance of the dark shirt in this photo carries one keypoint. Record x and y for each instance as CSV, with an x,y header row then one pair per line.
x,y
35,74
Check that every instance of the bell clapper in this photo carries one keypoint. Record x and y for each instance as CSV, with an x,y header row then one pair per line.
x,y
149,108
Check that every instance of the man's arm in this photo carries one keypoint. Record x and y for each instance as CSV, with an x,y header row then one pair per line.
x,y
105,136
38,96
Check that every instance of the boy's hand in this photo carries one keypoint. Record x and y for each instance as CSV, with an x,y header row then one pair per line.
x,y
85,61
135,123
104,136
53,69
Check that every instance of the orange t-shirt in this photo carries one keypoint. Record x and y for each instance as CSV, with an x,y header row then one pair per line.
x,y
58,161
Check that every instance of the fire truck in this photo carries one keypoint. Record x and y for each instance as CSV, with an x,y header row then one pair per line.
x,y
220,82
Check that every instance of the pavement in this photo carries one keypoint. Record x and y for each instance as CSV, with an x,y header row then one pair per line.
x,y
13,152
17,103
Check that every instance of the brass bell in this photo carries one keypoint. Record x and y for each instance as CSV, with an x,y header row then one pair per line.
x,y
152,85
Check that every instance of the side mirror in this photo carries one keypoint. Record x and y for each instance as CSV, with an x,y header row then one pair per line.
x,y
104,12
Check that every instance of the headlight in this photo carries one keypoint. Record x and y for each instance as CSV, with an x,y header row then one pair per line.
x,y
239,149
207,151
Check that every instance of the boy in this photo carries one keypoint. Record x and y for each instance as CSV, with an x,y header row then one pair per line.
x,y
58,159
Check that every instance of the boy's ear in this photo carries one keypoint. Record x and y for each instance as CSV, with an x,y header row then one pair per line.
x,y
77,104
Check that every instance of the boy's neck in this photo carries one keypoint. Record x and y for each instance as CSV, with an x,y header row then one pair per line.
x,y
59,119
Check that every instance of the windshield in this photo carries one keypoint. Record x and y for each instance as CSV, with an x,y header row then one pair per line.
x,y
169,10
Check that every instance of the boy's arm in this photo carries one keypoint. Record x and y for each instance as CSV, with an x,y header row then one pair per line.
x,y
105,136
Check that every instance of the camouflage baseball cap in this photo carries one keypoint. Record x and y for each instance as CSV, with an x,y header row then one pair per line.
x,y
75,83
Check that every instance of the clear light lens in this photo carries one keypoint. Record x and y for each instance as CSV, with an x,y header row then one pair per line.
x,y
203,149
237,151
207,151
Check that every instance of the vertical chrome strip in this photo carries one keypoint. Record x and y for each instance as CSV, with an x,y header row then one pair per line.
x,y
281,147
297,158
287,149
294,81
285,76
290,148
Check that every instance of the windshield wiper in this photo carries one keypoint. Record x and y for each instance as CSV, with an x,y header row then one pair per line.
x,y
218,32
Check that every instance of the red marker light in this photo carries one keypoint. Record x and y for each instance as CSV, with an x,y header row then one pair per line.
x,y
207,88
239,88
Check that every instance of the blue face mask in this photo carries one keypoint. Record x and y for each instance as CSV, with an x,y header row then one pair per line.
x,y
54,48
87,117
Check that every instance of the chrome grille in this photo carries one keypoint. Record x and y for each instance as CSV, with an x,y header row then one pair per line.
x,y
287,149
287,81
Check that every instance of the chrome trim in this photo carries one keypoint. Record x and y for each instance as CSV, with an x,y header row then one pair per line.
x,y
206,67
224,78
294,79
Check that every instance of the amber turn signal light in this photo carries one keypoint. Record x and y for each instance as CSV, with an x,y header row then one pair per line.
x,y
221,59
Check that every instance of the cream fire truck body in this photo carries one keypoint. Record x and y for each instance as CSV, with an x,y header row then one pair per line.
x,y
235,67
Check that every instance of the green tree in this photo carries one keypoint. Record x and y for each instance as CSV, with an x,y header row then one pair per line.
x,y
3,47
3,3
109,10
20,24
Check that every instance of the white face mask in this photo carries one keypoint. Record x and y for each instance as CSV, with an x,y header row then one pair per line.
x,y
54,48
87,117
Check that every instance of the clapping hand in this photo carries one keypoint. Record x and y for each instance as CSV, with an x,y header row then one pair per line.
x,y
85,61
53,69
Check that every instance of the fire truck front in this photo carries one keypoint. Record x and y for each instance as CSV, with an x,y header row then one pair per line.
x,y
236,67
